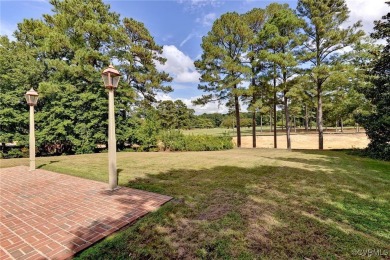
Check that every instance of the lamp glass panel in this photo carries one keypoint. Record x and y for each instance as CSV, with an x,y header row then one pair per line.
x,y
106,80
27,98
115,81
34,100
31,99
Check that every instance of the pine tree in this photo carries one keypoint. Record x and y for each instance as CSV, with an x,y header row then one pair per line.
x,y
221,65
19,71
325,38
255,19
138,52
283,38
67,52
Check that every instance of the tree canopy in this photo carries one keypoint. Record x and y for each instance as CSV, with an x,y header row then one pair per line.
x,y
377,123
62,56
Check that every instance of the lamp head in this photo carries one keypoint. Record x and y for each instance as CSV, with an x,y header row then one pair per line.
x,y
111,77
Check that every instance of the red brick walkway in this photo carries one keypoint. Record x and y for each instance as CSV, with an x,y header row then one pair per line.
x,y
50,215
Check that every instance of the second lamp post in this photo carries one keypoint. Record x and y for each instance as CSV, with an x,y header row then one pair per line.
x,y
111,79
32,99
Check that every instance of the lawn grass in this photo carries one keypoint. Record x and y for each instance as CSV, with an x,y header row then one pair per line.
x,y
246,203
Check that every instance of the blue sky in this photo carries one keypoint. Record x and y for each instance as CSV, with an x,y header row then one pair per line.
x,y
178,26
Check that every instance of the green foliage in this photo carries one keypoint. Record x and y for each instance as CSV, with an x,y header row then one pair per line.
x,y
204,122
282,37
13,153
221,65
146,133
326,37
229,122
19,71
216,118
176,141
62,56
175,115
377,123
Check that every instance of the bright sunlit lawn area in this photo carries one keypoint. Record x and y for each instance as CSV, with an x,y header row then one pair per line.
x,y
246,203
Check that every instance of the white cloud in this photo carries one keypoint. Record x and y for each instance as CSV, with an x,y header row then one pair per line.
x,y
178,65
208,108
367,11
194,4
207,19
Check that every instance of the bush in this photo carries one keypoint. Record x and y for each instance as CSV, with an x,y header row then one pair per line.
x,y
177,141
13,153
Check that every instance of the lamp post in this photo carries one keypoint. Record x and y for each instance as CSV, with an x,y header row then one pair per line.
x,y
32,99
111,79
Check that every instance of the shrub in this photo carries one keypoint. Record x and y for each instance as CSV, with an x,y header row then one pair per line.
x,y
13,153
177,141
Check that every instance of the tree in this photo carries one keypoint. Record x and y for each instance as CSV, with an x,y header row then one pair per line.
x,y
19,71
203,122
377,123
175,115
282,34
138,52
146,129
221,65
255,20
184,115
167,114
214,119
68,50
325,38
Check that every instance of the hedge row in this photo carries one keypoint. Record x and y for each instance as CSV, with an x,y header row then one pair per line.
x,y
177,141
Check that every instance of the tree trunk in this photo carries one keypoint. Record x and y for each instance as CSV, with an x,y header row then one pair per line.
x,y
295,125
306,119
238,125
341,125
275,137
319,117
288,129
254,113
254,129
261,123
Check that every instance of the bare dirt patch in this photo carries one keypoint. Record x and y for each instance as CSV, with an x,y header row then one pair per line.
x,y
309,141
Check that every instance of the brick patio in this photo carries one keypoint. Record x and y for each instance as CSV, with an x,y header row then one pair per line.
x,y
51,215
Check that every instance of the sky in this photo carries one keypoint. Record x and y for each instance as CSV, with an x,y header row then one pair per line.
x,y
178,26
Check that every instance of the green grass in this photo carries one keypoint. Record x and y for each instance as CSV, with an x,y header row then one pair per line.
x,y
246,203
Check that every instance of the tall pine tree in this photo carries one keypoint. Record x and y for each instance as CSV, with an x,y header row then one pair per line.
x,y
221,65
71,47
326,37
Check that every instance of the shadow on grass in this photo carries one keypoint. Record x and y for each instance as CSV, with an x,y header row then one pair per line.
x,y
44,164
261,212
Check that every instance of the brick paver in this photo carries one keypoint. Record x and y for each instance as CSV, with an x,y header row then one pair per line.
x,y
47,215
